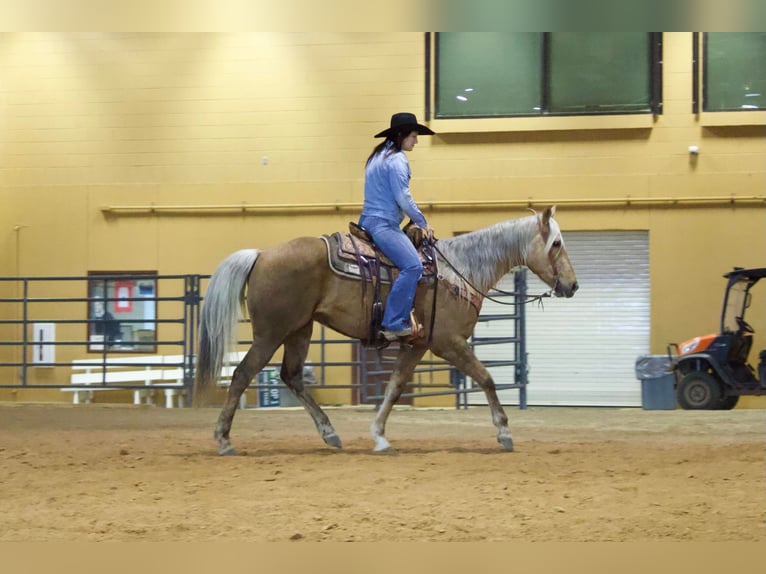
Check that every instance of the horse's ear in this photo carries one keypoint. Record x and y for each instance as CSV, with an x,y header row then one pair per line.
x,y
548,213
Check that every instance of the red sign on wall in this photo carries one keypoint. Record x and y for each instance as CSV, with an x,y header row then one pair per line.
x,y
123,293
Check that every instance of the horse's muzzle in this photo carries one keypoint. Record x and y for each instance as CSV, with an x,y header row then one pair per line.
x,y
564,291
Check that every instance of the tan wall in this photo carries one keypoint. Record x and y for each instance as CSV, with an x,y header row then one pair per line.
x,y
93,120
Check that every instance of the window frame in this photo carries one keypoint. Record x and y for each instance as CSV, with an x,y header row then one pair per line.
x,y
108,279
655,107
705,83
716,118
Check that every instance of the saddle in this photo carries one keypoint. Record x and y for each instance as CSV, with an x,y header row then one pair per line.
x,y
354,255
349,253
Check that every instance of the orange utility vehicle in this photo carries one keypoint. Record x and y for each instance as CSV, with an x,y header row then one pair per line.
x,y
712,371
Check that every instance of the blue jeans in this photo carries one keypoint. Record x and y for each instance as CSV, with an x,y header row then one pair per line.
x,y
398,248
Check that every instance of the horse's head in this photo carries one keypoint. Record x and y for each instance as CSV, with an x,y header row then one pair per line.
x,y
547,257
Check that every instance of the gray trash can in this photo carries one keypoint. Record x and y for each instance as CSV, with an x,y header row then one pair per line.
x,y
657,382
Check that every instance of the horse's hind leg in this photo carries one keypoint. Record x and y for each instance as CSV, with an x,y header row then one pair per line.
x,y
460,354
254,361
296,348
405,365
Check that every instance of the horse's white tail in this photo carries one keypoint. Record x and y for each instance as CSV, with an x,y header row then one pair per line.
x,y
221,311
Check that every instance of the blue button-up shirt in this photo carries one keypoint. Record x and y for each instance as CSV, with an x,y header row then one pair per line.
x,y
387,188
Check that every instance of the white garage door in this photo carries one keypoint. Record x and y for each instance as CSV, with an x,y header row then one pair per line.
x,y
582,351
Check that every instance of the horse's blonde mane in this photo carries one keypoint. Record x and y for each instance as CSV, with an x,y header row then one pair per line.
x,y
485,255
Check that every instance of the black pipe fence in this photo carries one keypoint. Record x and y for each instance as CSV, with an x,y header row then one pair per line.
x,y
41,317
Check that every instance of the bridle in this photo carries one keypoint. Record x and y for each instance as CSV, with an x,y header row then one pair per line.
x,y
430,245
545,234
530,299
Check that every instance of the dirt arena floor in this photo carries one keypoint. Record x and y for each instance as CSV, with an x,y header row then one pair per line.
x,y
140,473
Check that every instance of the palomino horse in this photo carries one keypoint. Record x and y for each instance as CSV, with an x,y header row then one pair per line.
x,y
289,287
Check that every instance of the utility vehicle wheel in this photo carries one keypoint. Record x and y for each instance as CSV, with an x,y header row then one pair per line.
x,y
728,403
699,391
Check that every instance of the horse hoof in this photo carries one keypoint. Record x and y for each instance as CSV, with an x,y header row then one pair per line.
x,y
506,442
381,444
332,440
228,451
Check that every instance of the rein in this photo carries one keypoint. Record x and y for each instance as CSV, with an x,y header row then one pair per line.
x,y
531,299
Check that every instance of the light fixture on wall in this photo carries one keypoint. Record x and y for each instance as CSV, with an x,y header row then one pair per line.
x,y
694,151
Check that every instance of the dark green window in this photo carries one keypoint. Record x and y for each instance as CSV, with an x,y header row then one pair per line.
x,y
483,74
735,71
488,74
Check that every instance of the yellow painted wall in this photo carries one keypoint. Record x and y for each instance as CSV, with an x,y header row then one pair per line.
x,y
107,119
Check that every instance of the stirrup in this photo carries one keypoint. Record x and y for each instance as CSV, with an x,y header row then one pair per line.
x,y
414,331
395,335
417,326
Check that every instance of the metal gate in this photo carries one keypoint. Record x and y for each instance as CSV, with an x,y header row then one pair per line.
x,y
375,368
43,328
42,325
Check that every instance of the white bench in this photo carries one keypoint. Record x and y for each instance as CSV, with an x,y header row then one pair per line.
x,y
94,375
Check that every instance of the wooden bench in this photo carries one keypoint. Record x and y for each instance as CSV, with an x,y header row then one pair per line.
x,y
95,375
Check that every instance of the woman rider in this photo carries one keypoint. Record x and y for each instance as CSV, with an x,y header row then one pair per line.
x,y
387,199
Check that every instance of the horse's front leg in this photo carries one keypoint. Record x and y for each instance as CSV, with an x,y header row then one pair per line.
x,y
405,365
460,354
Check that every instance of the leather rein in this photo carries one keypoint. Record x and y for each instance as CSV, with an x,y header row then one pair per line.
x,y
531,299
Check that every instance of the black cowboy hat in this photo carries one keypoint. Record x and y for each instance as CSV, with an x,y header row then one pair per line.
x,y
404,122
